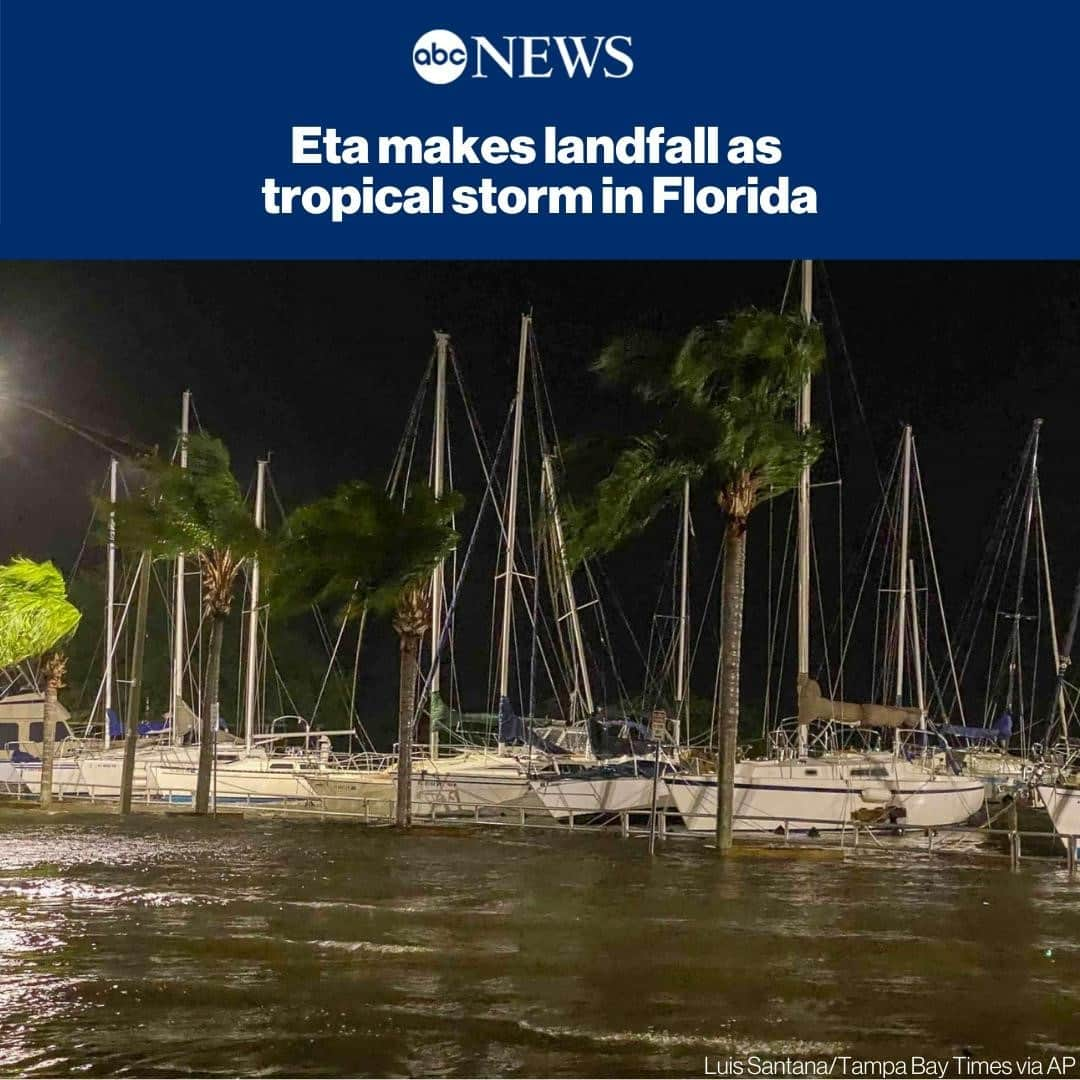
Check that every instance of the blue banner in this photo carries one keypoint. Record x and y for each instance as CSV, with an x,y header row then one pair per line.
x,y
345,130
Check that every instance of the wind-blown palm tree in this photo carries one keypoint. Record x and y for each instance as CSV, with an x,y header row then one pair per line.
x,y
723,400
198,511
35,617
362,550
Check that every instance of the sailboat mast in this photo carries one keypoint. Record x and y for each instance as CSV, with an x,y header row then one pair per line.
x,y
568,588
511,519
916,647
1059,660
253,614
905,529
682,673
176,679
110,598
1029,510
1066,656
802,422
437,480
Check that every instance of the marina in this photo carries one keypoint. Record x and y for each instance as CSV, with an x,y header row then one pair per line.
x,y
580,753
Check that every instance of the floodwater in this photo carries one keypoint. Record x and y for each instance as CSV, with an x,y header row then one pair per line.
x,y
172,946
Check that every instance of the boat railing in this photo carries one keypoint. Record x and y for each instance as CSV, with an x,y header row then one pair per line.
x,y
784,739
365,761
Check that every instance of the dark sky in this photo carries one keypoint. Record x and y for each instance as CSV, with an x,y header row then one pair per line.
x,y
318,363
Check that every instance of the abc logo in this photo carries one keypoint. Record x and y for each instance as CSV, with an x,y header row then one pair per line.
x,y
439,56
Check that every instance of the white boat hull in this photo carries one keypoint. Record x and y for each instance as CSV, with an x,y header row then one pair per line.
x,y
67,779
564,796
100,773
230,785
346,791
461,791
771,796
1063,805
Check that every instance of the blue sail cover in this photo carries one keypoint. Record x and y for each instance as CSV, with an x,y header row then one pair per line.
x,y
975,734
511,730
116,729
1004,726
632,726
153,727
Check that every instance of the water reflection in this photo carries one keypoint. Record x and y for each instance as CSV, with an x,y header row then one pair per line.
x,y
167,946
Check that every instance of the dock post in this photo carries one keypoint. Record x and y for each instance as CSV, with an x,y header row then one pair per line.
x,y
1014,839
1070,854
655,792
662,819
929,841
624,824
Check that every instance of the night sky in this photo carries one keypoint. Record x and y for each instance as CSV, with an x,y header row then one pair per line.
x,y
318,363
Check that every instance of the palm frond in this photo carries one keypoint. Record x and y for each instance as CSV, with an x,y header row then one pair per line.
x,y
359,548
190,511
724,397
644,477
35,613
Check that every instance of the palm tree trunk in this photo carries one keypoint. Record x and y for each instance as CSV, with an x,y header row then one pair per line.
x,y
131,727
410,656
209,722
731,642
48,742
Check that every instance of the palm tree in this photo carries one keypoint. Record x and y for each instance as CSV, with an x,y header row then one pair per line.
x,y
36,616
197,511
723,398
363,550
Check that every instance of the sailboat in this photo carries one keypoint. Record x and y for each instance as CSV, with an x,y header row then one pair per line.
x,y
93,767
1006,577
450,779
798,790
1056,779
605,788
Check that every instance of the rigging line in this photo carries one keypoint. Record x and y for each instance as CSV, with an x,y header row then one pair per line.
x,y
785,638
119,630
329,668
999,600
888,522
279,680
451,611
863,559
830,400
787,285
1037,651
866,559
937,581
821,610
354,719
976,604
778,619
412,423
710,593
611,591
264,667
86,536
850,368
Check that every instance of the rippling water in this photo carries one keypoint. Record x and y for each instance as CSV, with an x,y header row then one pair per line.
x,y
166,946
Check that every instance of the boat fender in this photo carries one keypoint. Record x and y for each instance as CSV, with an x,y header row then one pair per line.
x,y
876,794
